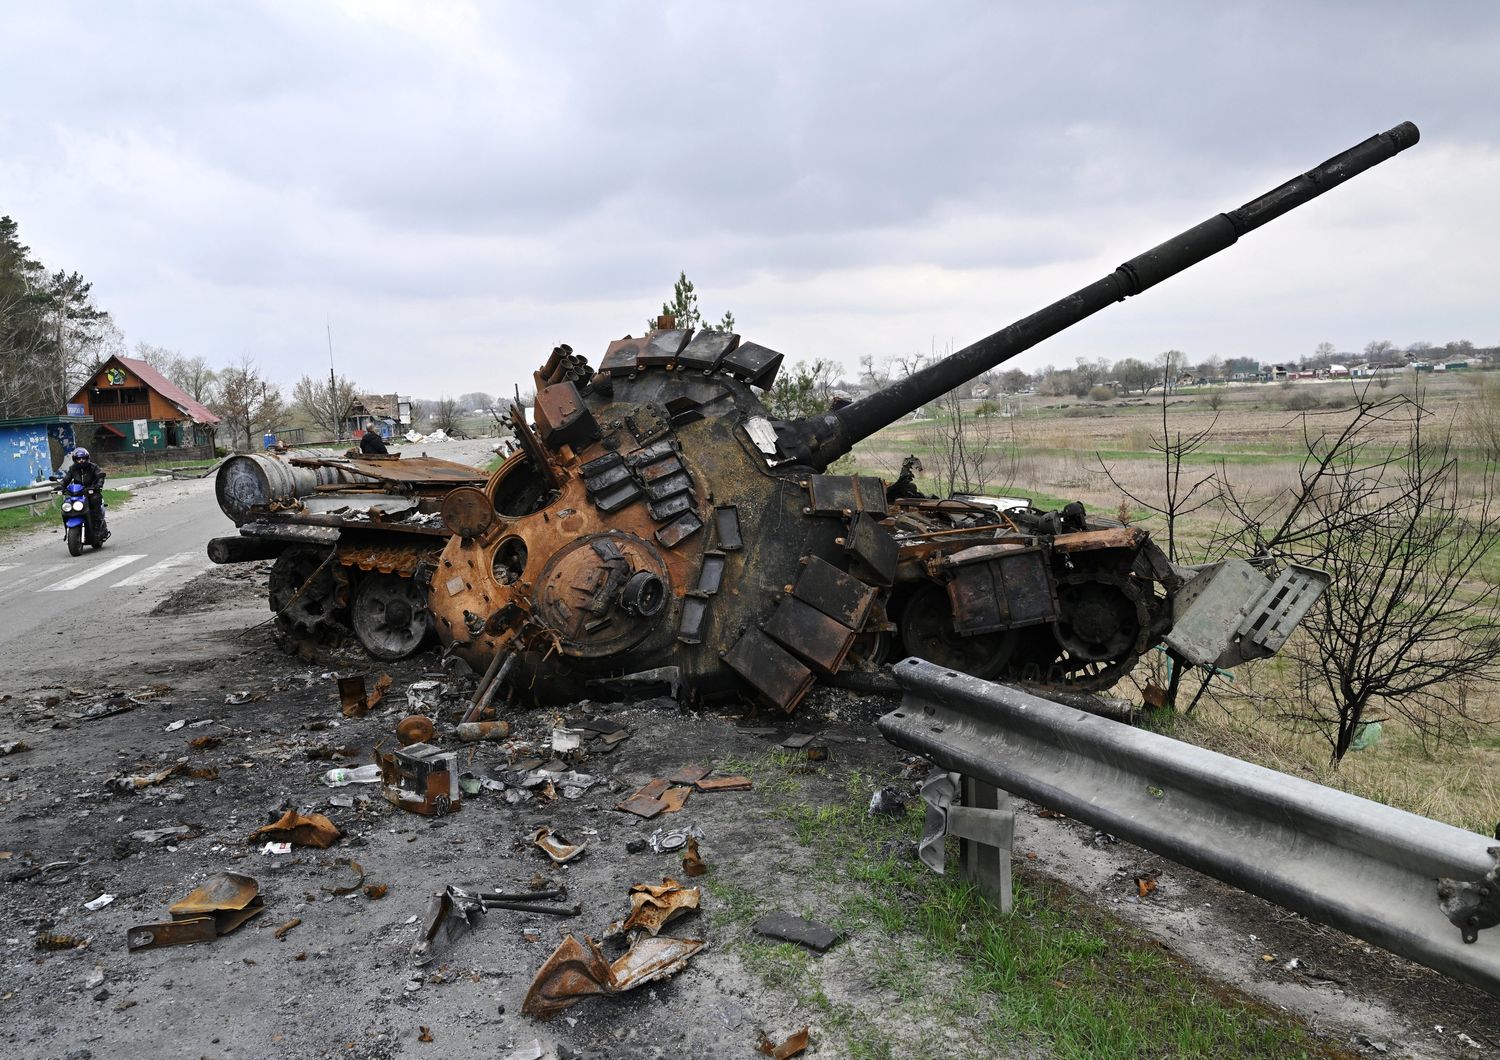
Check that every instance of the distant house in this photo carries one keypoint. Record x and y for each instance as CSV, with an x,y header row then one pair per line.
x,y
385,414
1338,371
137,408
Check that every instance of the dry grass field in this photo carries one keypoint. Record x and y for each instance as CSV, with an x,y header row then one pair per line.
x,y
1056,450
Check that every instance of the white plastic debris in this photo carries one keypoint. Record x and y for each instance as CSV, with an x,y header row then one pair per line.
x,y
179,723
276,848
99,903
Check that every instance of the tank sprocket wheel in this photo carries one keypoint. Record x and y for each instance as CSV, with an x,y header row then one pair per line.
x,y
927,632
389,615
304,593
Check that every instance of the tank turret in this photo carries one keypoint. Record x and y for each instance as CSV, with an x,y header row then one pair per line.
x,y
658,526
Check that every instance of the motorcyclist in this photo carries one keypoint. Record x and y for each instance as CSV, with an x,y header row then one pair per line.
x,y
90,476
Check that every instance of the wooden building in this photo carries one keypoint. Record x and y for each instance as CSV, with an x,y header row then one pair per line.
x,y
138,409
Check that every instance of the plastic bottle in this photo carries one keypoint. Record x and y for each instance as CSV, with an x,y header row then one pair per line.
x,y
337,778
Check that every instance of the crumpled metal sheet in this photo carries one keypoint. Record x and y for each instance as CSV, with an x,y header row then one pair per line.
x,y
577,970
939,791
653,905
312,830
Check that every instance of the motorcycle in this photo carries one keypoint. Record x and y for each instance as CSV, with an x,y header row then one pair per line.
x,y
79,521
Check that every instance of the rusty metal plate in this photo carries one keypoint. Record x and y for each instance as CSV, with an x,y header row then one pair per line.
x,y
672,506
663,348
171,933
706,350
844,494
669,486
694,614
712,574
679,530
1006,589
650,454
620,356
873,548
661,469
467,512
810,634
770,669
753,363
607,477
384,559
727,522
562,418
838,595
621,495
599,464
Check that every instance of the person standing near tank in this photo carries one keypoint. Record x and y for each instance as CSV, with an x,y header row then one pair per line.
x,y
372,444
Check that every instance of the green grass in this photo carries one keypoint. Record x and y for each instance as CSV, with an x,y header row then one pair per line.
x,y
18,519
1057,973
157,469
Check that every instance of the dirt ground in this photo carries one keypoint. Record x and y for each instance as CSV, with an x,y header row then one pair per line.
x,y
341,981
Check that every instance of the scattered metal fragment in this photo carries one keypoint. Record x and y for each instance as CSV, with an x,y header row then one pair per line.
x,y
565,740
792,1046
312,830
554,847
236,699
203,743
789,928
653,905
889,801
449,917
414,728
665,841
474,731
13,747
692,862
532,1050
355,701
126,784
281,932
376,891
796,741
359,872
424,1034
734,783
53,943
579,969
421,778
689,774
675,798
646,801
174,726
525,902
216,907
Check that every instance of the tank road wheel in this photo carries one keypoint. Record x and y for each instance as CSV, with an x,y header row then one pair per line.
x,y
1101,630
390,615
927,632
304,592
75,540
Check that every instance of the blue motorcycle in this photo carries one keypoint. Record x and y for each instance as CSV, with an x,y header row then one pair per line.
x,y
82,527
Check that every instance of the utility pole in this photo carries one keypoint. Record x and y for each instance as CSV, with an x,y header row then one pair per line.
x,y
333,388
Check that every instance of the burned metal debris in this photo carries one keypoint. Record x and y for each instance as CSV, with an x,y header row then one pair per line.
x,y
216,907
577,970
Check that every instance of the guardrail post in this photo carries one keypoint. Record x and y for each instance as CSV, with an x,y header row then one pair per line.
x,y
985,825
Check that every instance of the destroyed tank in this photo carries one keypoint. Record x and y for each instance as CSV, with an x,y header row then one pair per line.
x,y
353,538
658,529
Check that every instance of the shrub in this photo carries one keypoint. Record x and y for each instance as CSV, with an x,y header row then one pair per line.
x,y
1101,393
1300,402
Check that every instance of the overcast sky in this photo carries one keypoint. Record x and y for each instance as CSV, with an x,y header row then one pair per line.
x,y
456,188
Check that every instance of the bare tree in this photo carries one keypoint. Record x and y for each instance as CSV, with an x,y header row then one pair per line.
x,y
247,403
1410,622
444,414
961,446
326,402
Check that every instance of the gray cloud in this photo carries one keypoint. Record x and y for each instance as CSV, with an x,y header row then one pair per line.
x,y
478,182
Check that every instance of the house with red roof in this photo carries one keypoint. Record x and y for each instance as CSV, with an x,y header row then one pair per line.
x,y
137,408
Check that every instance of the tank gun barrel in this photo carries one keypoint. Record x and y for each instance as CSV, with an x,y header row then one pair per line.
x,y
823,439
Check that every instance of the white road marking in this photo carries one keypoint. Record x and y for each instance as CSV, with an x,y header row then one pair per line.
x,y
107,567
156,570
30,575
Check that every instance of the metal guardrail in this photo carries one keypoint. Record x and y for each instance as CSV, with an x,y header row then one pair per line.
x,y
1360,866
33,496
